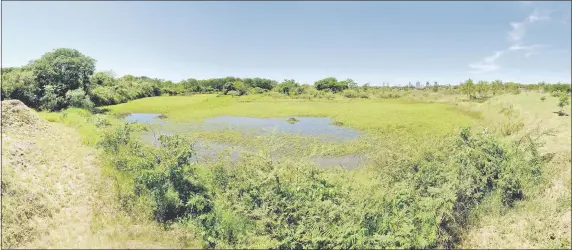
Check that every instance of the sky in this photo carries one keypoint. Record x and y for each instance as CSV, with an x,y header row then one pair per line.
x,y
369,42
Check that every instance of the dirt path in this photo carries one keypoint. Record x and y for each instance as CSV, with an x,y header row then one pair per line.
x,y
54,194
49,182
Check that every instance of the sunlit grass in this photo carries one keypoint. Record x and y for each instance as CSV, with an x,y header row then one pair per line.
x,y
372,116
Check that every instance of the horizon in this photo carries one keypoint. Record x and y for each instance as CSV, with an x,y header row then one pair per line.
x,y
375,42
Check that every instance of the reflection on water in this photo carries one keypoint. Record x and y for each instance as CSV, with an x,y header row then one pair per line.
x,y
305,126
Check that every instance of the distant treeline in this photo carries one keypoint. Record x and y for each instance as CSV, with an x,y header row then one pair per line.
x,y
66,77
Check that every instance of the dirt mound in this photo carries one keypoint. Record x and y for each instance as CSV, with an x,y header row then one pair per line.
x,y
15,114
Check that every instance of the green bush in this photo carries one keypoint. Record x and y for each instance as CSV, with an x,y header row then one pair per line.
x,y
271,204
20,84
78,98
51,101
350,93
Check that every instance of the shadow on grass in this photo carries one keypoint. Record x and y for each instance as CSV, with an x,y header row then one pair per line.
x,y
100,110
560,113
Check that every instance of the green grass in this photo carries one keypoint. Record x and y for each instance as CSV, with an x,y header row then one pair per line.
x,y
542,220
394,124
375,117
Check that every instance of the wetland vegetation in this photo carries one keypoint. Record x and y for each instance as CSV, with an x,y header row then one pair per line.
x,y
254,163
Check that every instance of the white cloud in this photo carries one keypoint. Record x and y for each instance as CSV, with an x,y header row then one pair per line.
x,y
483,67
539,15
517,32
517,47
488,64
515,35
494,57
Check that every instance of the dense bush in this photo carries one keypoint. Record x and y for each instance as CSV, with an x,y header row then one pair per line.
x,y
331,84
350,93
78,98
421,202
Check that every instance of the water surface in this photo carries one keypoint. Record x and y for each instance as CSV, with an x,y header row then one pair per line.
x,y
305,126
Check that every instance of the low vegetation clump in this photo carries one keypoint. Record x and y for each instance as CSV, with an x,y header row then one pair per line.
x,y
292,120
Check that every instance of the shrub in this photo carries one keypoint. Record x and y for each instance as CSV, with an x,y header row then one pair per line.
x,y
50,101
295,205
20,84
257,90
563,100
350,93
78,98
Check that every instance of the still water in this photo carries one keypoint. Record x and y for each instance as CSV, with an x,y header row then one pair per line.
x,y
304,126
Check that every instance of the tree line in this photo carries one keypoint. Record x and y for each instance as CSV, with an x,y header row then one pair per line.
x,y
65,77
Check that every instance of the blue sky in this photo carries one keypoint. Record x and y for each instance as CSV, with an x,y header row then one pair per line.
x,y
373,42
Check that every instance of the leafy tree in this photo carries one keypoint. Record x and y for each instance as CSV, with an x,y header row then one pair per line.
x,y
262,83
482,87
19,84
513,87
78,98
350,83
191,85
240,87
332,84
496,86
366,86
287,86
103,79
66,69
563,101
51,101
468,88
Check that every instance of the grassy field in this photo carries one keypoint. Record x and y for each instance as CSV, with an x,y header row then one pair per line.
x,y
377,118
408,195
543,219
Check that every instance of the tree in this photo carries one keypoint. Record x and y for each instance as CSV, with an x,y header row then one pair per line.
x,y
496,86
20,84
262,83
366,86
78,98
482,88
331,83
286,87
240,87
563,101
65,69
191,85
350,83
103,79
468,88
51,101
